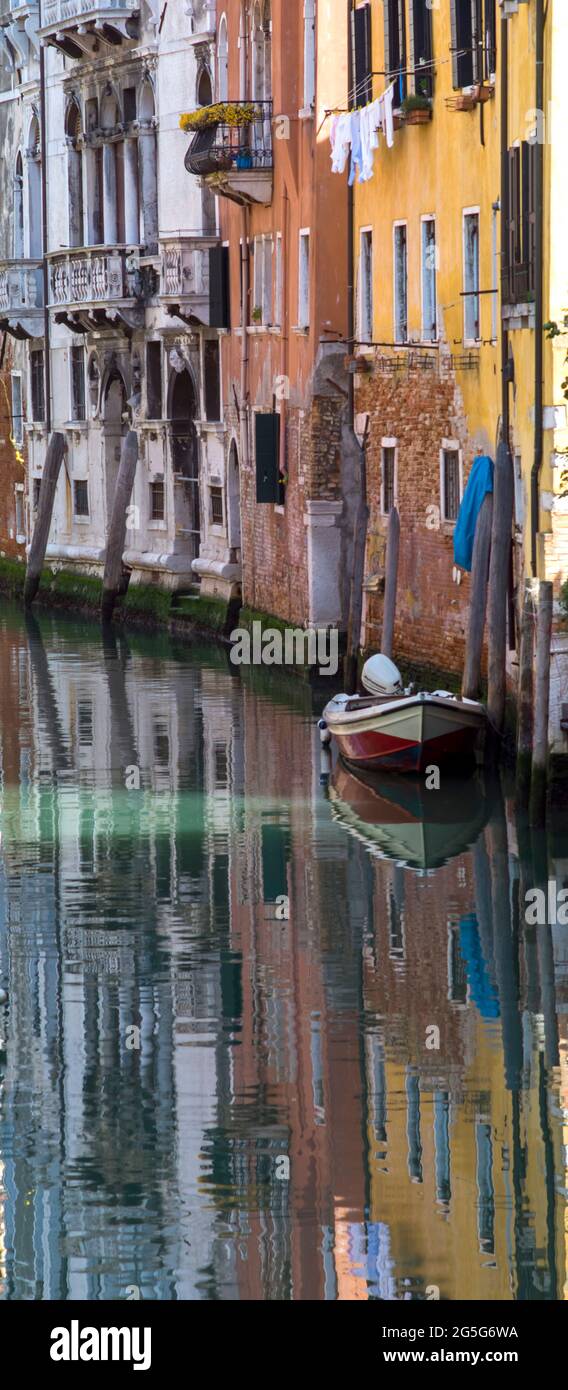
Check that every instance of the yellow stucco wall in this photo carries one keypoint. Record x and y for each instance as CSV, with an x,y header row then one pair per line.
x,y
452,164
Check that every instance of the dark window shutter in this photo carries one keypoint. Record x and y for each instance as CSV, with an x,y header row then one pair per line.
x,y
454,42
267,451
362,62
462,35
219,310
529,215
511,277
420,28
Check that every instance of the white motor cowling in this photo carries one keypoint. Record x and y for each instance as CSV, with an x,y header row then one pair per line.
x,y
380,676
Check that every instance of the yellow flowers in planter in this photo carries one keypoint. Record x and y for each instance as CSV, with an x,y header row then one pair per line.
x,y
231,113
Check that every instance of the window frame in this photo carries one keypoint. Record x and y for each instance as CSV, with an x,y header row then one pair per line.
x,y
17,434
304,268
397,225
74,417
450,446
469,293
81,516
389,442
365,307
157,521
428,218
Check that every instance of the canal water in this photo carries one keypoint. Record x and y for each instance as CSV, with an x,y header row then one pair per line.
x,y
271,1033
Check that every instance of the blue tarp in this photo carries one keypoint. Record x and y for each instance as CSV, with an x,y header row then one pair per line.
x,y
480,482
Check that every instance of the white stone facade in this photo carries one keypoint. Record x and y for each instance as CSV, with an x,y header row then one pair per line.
x,y
125,264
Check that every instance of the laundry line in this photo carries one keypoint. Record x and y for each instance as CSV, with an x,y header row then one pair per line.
x,y
354,135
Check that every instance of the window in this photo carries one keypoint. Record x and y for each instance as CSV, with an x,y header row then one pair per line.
x,y
473,29
421,45
157,500
212,379
80,497
78,383
366,287
400,284
310,53
85,723
278,280
519,270
154,381
216,499
388,470
457,973
37,384
395,44
19,513
17,409
222,62
471,276
304,281
429,324
362,58
450,483
262,308
36,484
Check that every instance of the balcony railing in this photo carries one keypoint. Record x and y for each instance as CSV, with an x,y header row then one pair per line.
x,y
21,298
77,26
236,159
92,285
184,276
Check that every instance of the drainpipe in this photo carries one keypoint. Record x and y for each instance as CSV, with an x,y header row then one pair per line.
x,y
46,326
539,290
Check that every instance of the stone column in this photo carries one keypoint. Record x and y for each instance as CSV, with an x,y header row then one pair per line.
x,y
149,186
109,196
131,201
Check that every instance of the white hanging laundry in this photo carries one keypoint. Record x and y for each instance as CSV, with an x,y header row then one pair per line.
x,y
388,103
366,171
340,138
375,122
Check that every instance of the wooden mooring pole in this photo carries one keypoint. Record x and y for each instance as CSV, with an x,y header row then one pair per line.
x,y
525,704
478,599
391,580
537,805
113,575
357,578
498,587
53,460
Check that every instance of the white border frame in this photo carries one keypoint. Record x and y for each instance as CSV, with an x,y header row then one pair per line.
x,y
470,212
389,442
450,446
428,217
399,222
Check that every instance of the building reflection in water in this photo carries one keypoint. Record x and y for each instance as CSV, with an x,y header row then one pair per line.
x,y
266,1038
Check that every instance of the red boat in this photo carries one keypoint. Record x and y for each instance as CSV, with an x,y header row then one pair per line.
x,y
397,730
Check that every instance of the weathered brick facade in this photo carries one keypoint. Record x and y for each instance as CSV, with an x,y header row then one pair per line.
x,y
419,408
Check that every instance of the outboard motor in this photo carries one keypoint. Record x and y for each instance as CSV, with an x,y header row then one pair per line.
x,y
380,676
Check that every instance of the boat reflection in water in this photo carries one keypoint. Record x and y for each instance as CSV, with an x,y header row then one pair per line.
x,y
399,818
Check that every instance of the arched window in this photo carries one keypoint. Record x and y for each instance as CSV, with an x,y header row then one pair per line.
x,y
74,134
19,208
34,190
223,62
204,92
148,166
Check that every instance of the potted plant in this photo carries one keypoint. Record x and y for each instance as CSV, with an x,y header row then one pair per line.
x,y
257,314
416,109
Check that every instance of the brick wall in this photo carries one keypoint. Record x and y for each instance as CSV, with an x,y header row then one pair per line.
x,y
419,408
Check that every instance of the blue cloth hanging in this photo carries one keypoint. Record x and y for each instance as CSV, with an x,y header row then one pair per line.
x,y
479,483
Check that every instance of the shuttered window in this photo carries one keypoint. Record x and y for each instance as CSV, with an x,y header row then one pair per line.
x,y
362,58
267,451
519,269
420,18
394,12
473,40
219,304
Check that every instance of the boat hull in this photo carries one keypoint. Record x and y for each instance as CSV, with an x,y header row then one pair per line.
x,y
409,735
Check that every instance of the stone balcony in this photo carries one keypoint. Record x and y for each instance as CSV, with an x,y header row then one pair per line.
x,y
21,298
236,162
184,277
98,287
89,28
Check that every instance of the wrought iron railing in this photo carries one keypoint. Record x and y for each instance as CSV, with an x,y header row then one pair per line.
x,y
224,148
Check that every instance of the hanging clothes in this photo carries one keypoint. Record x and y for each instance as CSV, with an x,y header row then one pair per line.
x,y
366,145
340,137
356,150
479,482
388,126
375,122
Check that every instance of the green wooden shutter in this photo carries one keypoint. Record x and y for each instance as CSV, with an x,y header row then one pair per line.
x,y
454,43
387,57
267,452
362,62
219,303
